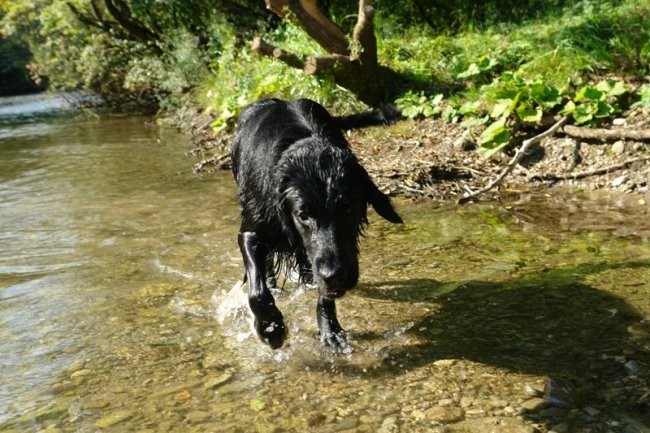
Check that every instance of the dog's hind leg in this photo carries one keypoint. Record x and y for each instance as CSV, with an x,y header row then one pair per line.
x,y
269,322
330,330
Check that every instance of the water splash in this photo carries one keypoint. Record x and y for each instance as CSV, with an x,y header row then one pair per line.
x,y
169,270
230,308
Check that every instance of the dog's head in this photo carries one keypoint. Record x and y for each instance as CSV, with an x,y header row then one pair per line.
x,y
324,195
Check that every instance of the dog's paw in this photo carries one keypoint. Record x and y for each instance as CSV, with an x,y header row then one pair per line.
x,y
337,341
272,332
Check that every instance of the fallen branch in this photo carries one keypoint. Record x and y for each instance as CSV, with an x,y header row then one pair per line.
x,y
607,134
515,160
583,174
219,161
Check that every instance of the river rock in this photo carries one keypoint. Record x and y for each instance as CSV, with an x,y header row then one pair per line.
x,y
444,414
218,380
114,418
492,425
389,425
197,416
80,373
618,147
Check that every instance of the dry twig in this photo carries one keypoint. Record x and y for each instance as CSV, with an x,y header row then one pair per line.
x,y
515,160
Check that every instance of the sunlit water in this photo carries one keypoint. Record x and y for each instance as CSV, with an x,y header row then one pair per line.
x,y
120,307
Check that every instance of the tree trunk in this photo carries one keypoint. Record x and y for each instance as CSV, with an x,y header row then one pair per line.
x,y
352,62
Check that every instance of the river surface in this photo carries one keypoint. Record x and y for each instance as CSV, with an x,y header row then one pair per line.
x,y
120,308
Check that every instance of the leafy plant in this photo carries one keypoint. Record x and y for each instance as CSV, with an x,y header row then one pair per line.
x,y
644,98
591,103
417,105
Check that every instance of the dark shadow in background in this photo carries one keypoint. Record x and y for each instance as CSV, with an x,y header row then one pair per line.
x,y
550,323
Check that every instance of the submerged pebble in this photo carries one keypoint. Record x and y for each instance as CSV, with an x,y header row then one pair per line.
x,y
114,418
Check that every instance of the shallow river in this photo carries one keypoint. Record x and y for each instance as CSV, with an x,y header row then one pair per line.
x,y
120,309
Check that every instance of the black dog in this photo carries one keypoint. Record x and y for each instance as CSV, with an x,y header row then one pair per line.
x,y
304,199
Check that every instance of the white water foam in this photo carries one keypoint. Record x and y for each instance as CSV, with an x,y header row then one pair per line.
x,y
169,270
232,306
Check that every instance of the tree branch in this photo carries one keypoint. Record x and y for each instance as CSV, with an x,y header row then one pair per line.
x,y
607,134
315,65
260,46
515,160
132,27
363,37
319,27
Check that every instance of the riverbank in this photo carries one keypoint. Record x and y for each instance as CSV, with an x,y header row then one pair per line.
x,y
434,160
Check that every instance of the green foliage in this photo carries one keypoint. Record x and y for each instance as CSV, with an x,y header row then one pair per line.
x,y
417,105
595,102
510,101
241,77
644,98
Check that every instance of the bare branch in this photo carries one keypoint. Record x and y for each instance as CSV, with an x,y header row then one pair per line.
x,y
315,65
262,47
515,160
363,36
327,34
607,134
137,30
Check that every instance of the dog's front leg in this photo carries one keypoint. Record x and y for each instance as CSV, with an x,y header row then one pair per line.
x,y
269,323
331,332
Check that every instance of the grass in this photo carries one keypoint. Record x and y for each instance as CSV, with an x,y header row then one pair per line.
x,y
569,47
587,38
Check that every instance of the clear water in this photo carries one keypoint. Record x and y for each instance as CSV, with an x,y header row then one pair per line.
x,y
120,308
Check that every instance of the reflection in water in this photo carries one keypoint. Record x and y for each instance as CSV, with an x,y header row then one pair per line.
x,y
120,307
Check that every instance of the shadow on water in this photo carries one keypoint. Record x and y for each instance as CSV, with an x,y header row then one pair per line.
x,y
550,323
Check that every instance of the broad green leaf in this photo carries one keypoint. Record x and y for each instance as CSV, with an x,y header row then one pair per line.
x,y
611,87
585,112
529,114
470,107
604,109
493,139
437,99
429,110
503,107
590,94
450,114
487,63
545,95
568,108
489,150
411,111
472,71
475,121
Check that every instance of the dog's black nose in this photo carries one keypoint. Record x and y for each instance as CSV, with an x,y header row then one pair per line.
x,y
330,273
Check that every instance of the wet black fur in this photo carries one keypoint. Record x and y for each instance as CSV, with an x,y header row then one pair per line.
x,y
304,200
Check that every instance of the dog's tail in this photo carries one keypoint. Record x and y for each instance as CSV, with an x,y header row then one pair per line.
x,y
382,116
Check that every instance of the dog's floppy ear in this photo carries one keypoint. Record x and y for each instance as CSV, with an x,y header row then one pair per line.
x,y
380,201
